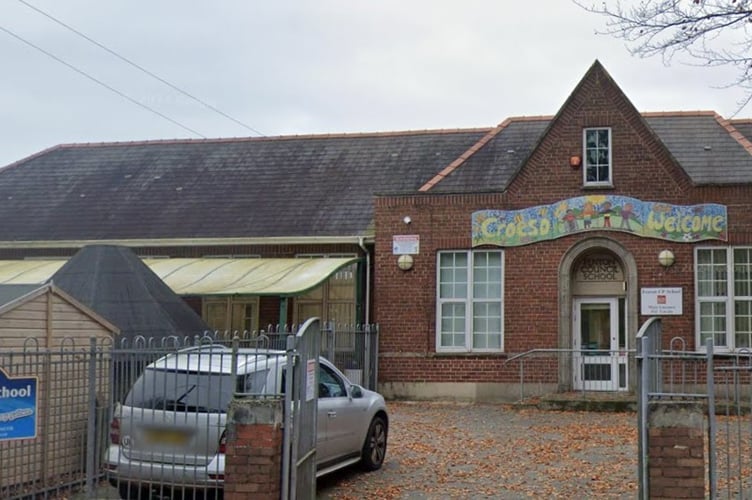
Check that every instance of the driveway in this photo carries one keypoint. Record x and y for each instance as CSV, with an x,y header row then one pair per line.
x,y
445,450
471,451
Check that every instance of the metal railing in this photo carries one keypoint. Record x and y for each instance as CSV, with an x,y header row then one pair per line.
x,y
721,384
353,349
78,386
65,420
543,371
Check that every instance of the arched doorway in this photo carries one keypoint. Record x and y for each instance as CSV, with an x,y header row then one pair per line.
x,y
597,291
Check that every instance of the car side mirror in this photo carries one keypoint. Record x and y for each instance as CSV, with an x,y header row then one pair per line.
x,y
356,392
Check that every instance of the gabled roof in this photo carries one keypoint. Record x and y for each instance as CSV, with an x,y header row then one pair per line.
x,y
307,187
11,293
711,150
13,296
114,283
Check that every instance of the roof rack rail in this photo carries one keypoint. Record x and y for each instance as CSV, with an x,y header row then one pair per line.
x,y
204,347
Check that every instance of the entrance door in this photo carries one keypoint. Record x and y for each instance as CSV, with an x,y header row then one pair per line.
x,y
600,355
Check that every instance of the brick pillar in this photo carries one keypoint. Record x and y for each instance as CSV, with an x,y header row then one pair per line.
x,y
676,450
253,459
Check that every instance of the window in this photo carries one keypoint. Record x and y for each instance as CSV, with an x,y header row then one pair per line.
x,y
469,301
334,300
597,153
723,288
231,314
330,385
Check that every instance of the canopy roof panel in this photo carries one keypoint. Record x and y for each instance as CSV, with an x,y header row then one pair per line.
x,y
245,276
206,276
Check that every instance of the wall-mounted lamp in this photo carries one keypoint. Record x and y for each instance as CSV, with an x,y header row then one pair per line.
x,y
406,219
666,258
575,161
405,262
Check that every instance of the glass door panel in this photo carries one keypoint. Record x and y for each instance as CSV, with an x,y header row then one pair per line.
x,y
600,358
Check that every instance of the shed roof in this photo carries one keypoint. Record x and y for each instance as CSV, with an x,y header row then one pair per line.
x,y
9,293
12,296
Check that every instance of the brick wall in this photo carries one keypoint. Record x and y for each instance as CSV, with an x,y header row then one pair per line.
x,y
676,451
405,302
253,460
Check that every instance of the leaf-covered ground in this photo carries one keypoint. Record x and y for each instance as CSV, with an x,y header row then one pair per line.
x,y
446,451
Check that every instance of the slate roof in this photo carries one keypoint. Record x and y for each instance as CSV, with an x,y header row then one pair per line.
x,y
113,282
494,165
701,142
299,186
291,186
704,146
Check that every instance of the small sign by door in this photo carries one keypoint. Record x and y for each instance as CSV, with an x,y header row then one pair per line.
x,y
661,301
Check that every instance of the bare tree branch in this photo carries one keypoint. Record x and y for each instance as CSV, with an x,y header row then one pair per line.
x,y
708,32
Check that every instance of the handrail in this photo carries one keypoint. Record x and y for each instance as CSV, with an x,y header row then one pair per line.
x,y
664,353
535,351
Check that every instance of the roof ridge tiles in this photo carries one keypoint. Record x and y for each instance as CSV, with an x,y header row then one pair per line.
x,y
267,138
32,156
734,133
454,165
657,114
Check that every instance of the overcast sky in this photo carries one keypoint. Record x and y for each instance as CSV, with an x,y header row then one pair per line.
x,y
311,66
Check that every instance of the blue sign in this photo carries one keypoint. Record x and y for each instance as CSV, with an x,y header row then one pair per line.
x,y
18,407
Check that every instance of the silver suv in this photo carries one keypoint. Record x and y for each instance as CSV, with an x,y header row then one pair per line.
x,y
169,434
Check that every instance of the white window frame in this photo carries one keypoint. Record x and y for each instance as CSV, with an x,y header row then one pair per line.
x,y
729,300
469,300
610,181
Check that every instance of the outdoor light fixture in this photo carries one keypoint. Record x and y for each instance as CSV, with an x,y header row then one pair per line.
x,y
575,161
666,258
405,262
407,219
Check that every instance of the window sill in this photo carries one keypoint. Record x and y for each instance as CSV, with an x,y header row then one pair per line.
x,y
466,354
593,187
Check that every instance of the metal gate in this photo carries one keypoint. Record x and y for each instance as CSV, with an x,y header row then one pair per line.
x,y
57,410
301,403
722,385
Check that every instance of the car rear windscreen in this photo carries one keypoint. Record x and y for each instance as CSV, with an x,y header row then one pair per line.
x,y
175,390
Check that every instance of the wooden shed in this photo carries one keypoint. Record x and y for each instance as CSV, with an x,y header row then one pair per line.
x,y
59,349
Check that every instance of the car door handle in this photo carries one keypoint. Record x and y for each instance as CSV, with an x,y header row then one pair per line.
x,y
332,414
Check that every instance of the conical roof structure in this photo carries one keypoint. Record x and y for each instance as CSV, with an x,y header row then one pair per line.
x,y
116,284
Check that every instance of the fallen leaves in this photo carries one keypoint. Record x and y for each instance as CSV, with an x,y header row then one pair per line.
x,y
492,451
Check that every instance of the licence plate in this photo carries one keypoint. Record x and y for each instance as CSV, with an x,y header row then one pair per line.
x,y
160,436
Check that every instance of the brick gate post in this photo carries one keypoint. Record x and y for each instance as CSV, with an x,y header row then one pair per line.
x,y
253,458
676,450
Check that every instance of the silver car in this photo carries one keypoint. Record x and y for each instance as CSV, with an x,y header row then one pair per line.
x,y
169,434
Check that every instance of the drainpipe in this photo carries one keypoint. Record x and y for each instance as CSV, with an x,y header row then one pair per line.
x,y
367,319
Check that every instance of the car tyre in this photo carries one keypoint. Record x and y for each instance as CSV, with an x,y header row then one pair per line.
x,y
374,449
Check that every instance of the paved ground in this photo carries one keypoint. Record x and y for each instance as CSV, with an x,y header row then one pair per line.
x,y
454,451
475,451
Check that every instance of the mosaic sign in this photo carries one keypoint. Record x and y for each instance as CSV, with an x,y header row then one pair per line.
x,y
679,223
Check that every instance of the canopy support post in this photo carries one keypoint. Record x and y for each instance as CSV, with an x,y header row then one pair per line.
x,y
282,311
